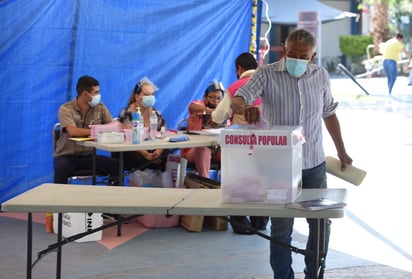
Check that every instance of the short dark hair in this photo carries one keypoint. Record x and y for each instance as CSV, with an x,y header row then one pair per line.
x,y
246,60
399,36
86,83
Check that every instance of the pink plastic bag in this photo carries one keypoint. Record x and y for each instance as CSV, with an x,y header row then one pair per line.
x,y
101,128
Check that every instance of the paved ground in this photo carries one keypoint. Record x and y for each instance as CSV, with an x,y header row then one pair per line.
x,y
378,132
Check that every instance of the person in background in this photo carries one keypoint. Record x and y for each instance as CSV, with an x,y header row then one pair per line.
x,y
245,65
295,91
143,97
391,53
199,110
75,117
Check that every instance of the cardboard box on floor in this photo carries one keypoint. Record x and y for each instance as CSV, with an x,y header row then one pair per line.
x,y
194,223
75,223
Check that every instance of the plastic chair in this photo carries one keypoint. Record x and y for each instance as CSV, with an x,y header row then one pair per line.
x,y
182,124
79,175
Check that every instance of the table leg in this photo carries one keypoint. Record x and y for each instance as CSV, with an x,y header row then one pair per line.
x,y
322,247
316,249
94,167
29,244
59,249
121,177
319,249
121,183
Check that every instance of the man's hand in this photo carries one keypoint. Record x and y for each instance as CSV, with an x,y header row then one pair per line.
x,y
345,160
251,114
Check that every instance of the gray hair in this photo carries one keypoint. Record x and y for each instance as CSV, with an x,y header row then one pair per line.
x,y
303,36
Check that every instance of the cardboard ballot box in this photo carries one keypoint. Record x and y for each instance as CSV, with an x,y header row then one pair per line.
x,y
74,223
261,165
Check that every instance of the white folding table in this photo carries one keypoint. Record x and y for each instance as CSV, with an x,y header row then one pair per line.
x,y
63,198
194,141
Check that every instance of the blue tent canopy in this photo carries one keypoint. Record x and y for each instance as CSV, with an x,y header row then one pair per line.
x,y
45,46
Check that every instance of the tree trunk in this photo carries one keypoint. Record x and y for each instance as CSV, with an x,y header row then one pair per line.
x,y
380,26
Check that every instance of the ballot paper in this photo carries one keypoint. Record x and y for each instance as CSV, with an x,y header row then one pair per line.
x,y
351,173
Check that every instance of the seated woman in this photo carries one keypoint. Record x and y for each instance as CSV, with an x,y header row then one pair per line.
x,y
143,97
202,157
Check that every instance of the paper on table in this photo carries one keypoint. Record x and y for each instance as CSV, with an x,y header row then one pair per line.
x,y
81,139
351,174
214,131
316,204
206,132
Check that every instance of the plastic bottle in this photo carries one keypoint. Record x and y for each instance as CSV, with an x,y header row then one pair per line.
x,y
141,125
135,128
49,222
153,125
163,132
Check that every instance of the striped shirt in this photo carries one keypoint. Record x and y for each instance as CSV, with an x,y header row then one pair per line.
x,y
288,101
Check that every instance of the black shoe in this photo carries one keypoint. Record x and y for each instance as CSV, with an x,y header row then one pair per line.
x,y
259,223
240,225
114,182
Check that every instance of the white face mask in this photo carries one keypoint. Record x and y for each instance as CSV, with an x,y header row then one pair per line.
x,y
95,100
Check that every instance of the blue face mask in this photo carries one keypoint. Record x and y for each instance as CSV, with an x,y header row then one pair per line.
x,y
95,100
148,101
296,67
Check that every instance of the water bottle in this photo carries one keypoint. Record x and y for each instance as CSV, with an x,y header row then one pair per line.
x,y
141,125
153,125
135,128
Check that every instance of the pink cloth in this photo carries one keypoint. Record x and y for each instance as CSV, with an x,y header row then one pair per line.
x,y
195,119
239,83
202,158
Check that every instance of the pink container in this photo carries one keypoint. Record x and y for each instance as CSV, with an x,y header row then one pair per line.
x,y
158,221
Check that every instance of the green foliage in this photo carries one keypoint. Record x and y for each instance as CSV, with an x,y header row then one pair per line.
x,y
354,46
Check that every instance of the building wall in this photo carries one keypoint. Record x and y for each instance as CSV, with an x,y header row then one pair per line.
x,y
330,33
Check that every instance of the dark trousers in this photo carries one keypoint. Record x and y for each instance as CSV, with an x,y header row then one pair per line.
x,y
66,166
134,161
282,228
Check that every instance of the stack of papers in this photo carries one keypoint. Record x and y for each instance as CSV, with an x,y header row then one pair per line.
x,y
206,132
316,204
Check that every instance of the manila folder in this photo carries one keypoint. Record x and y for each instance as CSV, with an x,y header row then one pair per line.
x,y
351,174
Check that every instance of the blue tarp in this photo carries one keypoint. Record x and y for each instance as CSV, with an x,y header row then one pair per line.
x,y
46,45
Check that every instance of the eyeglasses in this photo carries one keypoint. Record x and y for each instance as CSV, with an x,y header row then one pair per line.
x,y
214,98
